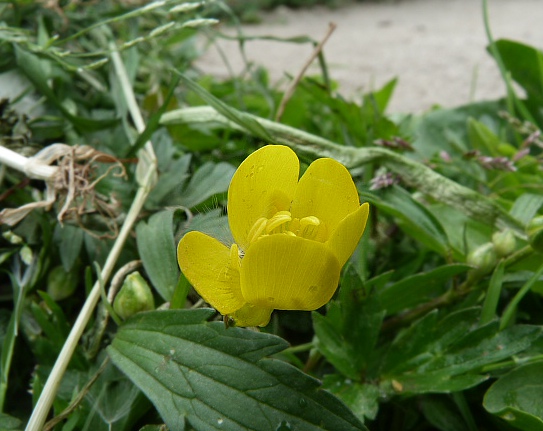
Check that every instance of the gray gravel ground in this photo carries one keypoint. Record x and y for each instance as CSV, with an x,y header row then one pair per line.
x,y
435,47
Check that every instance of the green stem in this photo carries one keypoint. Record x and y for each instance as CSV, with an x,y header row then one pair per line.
x,y
40,412
512,99
510,363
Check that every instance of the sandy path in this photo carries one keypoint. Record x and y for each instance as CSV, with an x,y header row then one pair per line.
x,y
435,47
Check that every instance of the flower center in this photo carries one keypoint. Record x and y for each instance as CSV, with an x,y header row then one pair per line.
x,y
282,222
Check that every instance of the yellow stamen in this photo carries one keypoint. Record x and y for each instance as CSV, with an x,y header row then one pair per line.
x,y
279,219
309,227
257,229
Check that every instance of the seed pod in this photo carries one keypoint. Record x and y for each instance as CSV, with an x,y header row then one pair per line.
x,y
483,259
61,284
135,296
504,242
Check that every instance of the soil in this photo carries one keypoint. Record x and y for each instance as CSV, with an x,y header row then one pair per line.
x,y
436,48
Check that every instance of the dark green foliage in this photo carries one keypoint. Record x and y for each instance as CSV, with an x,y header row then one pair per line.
x,y
438,318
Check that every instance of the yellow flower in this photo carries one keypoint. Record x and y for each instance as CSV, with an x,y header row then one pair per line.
x,y
291,238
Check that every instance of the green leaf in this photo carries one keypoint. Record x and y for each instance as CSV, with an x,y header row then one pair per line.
x,y
516,397
331,343
216,378
442,413
154,122
239,118
169,181
33,67
445,129
10,423
525,64
416,220
436,382
362,399
418,288
526,207
157,250
212,223
483,139
348,334
207,181
493,293
70,240
446,355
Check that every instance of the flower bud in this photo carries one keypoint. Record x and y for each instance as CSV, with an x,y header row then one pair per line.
x,y
135,296
535,233
12,238
483,259
61,284
504,242
26,254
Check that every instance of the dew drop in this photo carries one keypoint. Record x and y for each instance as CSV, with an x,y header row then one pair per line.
x,y
283,426
220,421
313,288
509,416
302,402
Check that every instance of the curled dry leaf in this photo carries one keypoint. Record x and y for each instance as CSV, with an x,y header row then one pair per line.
x,y
70,183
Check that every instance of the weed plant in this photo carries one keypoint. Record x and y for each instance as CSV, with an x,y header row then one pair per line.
x,y
114,147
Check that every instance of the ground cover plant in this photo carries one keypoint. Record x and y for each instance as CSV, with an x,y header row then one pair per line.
x,y
123,148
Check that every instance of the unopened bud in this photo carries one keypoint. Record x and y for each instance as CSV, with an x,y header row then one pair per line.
x,y
12,238
535,233
135,296
504,242
26,254
61,284
483,259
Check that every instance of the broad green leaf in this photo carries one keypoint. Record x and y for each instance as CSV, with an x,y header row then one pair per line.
x,y
413,217
418,288
348,334
445,129
168,182
70,240
362,399
441,412
212,223
10,423
216,378
516,397
331,343
446,355
207,181
525,64
156,248
526,207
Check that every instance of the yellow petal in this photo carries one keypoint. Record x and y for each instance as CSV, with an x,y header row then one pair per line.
x,y
250,315
289,273
207,264
263,184
349,231
327,191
